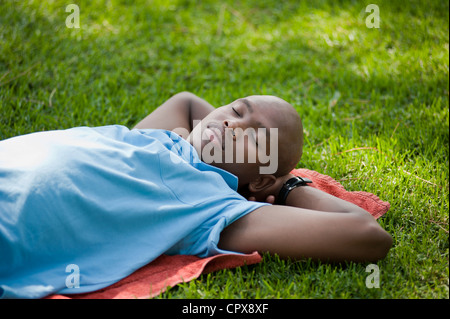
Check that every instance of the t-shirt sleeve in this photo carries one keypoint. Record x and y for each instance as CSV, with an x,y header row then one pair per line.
x,y
204,240
211,193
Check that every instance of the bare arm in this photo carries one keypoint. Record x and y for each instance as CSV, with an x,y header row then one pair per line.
x,y
177,114
313,224
299,233
305,197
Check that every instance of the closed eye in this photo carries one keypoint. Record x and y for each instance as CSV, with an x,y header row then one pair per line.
x,y
236,112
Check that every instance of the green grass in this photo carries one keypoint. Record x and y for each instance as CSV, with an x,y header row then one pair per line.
x,y
374,103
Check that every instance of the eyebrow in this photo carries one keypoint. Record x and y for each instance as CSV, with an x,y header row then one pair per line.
x,y
247,103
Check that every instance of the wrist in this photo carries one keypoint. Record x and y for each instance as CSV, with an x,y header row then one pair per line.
x,y
296,196
289,185
285,178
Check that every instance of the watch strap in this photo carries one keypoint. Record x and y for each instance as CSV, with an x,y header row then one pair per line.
x,y
289,185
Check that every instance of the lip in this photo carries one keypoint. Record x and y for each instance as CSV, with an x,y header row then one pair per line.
x,y
211,134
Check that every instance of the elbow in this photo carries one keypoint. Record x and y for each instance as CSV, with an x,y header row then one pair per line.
x,y
386,244
182,98
378,243
185,95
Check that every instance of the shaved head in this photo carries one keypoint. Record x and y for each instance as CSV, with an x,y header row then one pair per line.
x,y
281,135
290,130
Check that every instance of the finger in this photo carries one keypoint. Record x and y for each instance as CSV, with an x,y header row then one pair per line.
x,y
270,199
252,198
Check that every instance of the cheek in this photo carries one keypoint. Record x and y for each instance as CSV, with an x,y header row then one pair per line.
x,y
244,151
252,153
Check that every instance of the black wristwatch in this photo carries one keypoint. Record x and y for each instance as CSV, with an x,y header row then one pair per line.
x,y
290,185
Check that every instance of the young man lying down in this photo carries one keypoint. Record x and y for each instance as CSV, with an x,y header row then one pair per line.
x,y
188,179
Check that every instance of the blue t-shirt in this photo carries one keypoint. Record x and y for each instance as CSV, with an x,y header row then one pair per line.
x,y
82,208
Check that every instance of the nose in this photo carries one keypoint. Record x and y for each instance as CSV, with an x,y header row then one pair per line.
x,y
230,124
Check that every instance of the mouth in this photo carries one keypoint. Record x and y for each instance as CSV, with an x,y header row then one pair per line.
x,y
214,134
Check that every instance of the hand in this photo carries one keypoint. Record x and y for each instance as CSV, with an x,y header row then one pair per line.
x,y
270,194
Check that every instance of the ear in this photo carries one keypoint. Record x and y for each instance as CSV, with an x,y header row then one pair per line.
x,y
261,183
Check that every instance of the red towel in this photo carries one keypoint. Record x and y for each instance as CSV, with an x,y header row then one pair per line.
x,y
367,201
165,271
168,271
